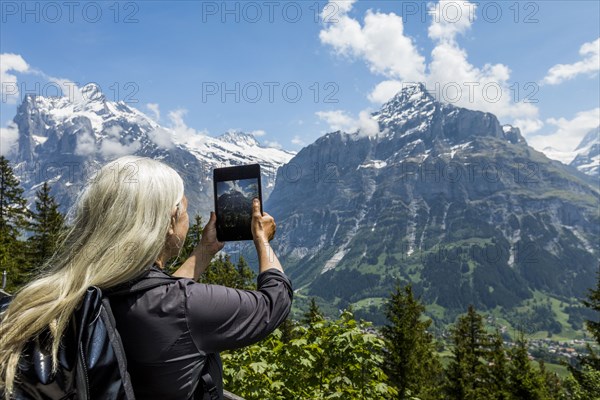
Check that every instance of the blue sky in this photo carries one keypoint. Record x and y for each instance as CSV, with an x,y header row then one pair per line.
x,y
178,56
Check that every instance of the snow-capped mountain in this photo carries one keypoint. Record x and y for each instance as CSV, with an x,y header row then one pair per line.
x,y
65,139
235,148
587,159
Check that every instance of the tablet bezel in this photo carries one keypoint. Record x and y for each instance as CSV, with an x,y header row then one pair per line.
x,y
248,171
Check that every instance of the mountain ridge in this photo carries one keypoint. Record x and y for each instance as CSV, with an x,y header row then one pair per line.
x,y
375,208
65,139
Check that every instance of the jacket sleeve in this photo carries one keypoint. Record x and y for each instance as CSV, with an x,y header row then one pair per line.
x,y
222,318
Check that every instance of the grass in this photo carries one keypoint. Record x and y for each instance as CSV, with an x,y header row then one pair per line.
x,y
368,302
445,357
415,274
567,332
436,311
558,369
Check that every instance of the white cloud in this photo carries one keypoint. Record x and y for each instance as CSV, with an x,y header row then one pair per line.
x,y
380,42
155,110
453,79
85,144
184,134
333,8
528,126
450,18
177,123
163,138
568,133
241,186
258,132
298,141
9,89
274,144
113,148
9,137
69,88
384,91
113,131
449,76
338,120
64,87
364,125
590,65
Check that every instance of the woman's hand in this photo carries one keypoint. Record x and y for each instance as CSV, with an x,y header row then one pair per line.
x,y
263,226
263,231
209,243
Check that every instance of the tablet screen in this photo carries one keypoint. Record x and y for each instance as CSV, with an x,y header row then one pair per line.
x,y
235,187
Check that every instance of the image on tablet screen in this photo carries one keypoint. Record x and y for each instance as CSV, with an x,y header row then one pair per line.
x,y
235,202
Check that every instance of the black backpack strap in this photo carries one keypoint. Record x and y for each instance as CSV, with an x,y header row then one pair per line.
x,y
5,302
210,387
114,337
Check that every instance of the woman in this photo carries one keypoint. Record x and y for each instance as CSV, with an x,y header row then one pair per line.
x,y
128,221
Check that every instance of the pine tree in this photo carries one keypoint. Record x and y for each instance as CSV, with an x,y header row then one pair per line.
x,y
409,358
246,277
525,382
14,217
287,330
584,381
47,225
313,315
498,369
593,302
14,214
193,237
466,373
221,271
552,385
191,241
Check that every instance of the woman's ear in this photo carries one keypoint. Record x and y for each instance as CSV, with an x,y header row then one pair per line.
x,y
172,224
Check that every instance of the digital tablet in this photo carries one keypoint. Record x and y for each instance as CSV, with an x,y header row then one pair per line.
x,y
235,187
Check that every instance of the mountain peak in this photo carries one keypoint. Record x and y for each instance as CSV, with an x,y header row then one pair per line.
x,y
412,96
590,138
414,113
411,93
92,92
239,137
412,105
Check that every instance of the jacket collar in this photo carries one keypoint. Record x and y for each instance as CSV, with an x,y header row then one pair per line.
x,y
155,268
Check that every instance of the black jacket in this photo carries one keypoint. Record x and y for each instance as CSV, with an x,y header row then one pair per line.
x,y
168,330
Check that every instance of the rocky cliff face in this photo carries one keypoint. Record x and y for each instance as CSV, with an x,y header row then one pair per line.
x,y
444,197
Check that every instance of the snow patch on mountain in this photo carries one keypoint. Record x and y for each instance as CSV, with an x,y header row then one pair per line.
x,y
587,157
377,164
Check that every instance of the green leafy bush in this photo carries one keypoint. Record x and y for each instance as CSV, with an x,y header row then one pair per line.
x,y
338,359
